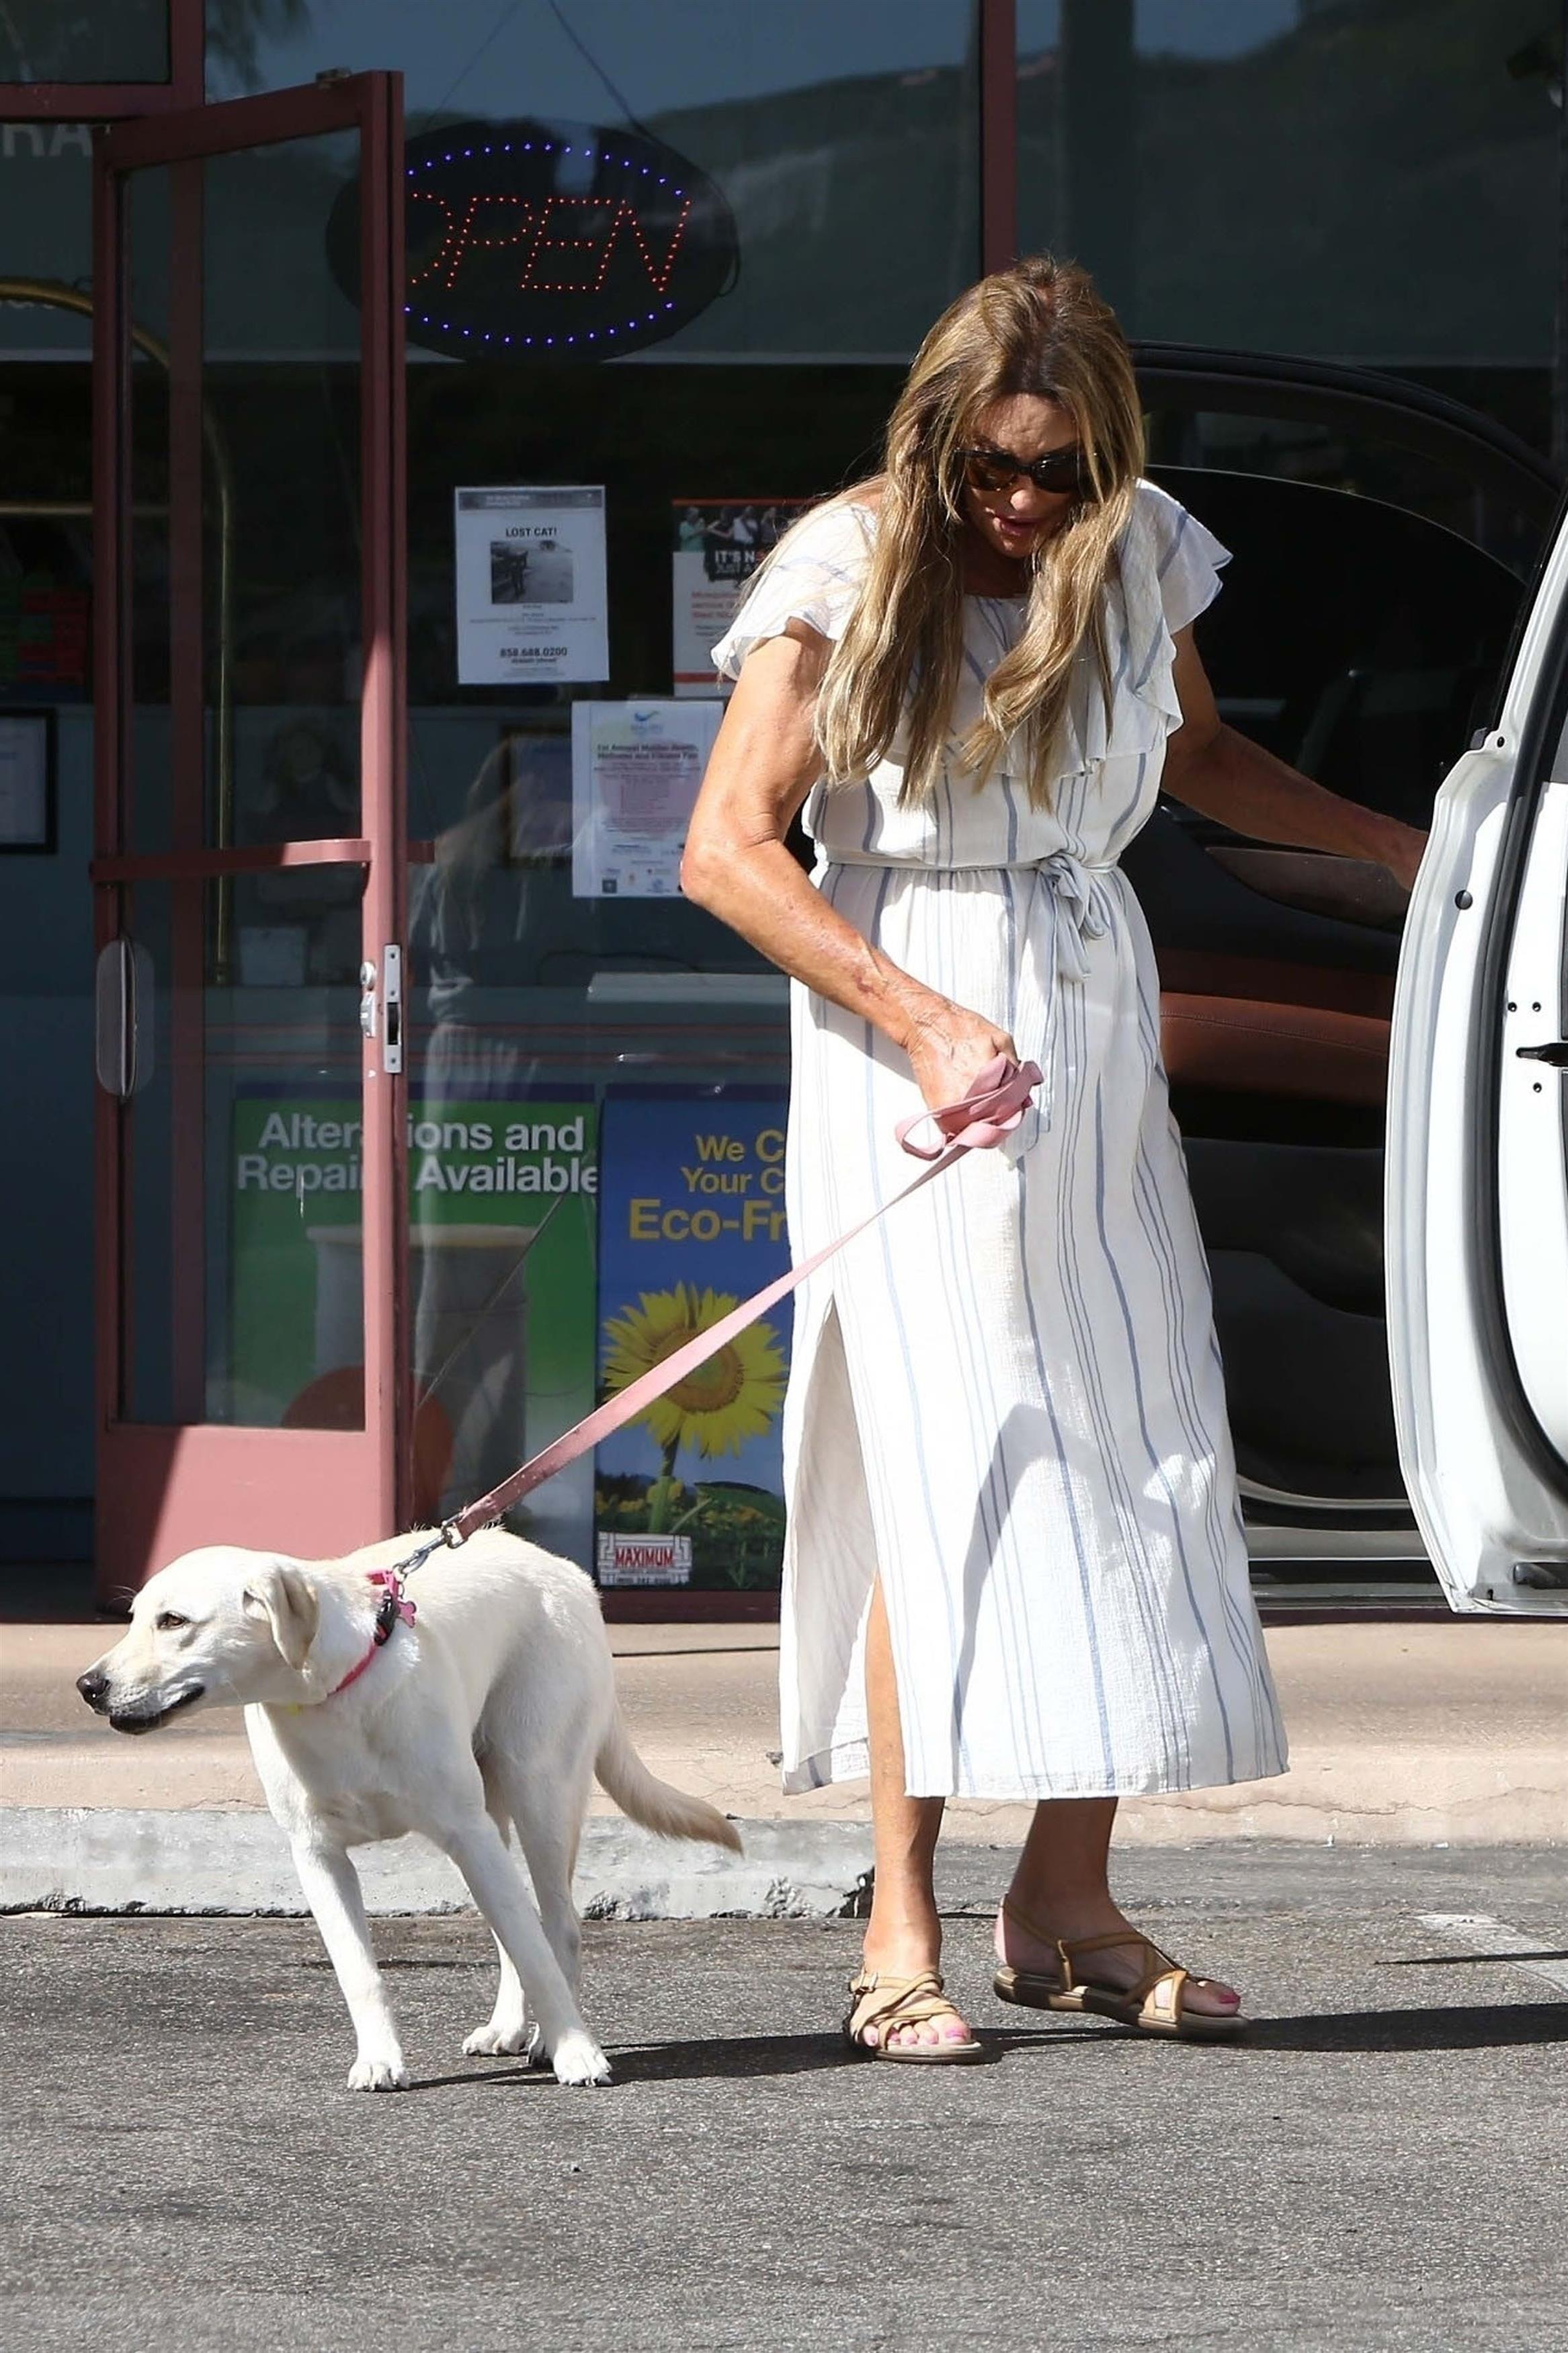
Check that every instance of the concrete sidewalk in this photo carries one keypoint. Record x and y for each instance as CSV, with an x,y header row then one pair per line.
x,y
1410,1733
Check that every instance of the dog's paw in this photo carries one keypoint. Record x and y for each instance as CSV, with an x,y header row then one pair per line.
x,y
385,2075
577,2059
493,2042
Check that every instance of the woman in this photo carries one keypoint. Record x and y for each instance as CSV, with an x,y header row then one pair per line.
x,y
1016,1565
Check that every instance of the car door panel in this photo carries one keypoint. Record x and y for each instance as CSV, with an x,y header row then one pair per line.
x,y
1533,1132
1193,903
1346,889
1478,1178
1356,639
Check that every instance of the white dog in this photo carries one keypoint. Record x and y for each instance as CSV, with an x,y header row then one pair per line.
x,y
495,1705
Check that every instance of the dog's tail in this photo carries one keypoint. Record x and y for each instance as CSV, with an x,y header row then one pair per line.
x,y
652,1803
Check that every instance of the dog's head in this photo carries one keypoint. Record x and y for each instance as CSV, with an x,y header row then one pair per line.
x,y
220,1626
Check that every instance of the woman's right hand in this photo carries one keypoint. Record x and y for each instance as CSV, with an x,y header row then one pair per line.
x,y
947,1049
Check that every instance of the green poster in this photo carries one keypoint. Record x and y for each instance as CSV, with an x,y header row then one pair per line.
x,y
502,1213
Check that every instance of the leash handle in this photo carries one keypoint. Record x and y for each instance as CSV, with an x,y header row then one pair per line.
x,y
995,1103
998,1097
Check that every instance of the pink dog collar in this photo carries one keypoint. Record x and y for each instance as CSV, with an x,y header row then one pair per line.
x,y
394,1604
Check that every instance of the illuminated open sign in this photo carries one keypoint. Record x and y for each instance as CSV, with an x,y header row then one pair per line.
x,y
540,241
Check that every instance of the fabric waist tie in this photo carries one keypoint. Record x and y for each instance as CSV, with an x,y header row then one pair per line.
x,y
1079,914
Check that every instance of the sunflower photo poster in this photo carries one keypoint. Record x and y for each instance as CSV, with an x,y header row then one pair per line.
x,y
690,1222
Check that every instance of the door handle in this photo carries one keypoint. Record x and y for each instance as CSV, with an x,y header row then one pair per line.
x,y
1554,1053
123,997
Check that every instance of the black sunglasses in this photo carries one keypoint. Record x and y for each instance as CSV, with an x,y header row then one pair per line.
x,y
990,470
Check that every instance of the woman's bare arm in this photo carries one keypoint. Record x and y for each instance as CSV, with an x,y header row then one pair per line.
x,y
1226,776
738,865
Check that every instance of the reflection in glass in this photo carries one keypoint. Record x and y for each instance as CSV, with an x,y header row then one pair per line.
x,y
527,1005
278,622
822,123
1289,175
117,40
241,1218
482,1127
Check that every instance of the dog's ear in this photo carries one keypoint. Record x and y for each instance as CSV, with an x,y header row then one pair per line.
x,y
287,1601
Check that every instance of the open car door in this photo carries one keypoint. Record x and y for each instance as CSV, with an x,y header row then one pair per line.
x,y
1384,542
1476,1207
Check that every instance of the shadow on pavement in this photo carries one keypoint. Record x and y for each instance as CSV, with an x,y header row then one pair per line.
x,y
653,2062
736,2055
1465,1960
739,2057
483,2073
801,2054
1472,2028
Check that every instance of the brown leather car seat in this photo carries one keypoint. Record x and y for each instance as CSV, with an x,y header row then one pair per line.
x,y
1254,1047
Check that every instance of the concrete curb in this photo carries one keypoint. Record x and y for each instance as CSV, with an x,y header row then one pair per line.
x,y
200,1859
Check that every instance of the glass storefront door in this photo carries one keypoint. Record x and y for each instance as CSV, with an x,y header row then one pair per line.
x,y
249,830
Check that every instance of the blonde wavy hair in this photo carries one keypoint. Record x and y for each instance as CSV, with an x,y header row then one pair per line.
x,y
1038,328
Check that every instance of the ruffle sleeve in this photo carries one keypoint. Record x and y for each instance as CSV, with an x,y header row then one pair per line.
x,y
1187,557
814,575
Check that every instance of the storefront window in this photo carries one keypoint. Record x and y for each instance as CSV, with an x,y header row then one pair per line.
x,y
597,1069
46,914
596,1066
821,123
86,40
1356,179
566,995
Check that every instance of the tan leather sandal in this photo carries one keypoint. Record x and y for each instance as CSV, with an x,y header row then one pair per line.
x,y
888,2003
1155,2003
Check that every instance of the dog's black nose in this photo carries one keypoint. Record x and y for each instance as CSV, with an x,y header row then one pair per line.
x,y
93,1687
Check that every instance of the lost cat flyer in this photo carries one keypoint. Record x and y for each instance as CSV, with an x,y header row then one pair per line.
x,y
530,585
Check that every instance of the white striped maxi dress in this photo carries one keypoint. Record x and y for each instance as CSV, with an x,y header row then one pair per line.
x,y
1007,1398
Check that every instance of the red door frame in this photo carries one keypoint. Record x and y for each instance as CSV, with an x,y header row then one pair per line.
x,y
161,1488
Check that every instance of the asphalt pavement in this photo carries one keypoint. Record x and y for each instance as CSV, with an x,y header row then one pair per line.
x,y
1383,2166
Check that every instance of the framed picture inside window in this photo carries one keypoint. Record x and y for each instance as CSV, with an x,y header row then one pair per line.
x,y
28,815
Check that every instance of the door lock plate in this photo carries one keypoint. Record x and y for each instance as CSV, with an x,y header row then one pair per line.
x,y
392,1009
381,1006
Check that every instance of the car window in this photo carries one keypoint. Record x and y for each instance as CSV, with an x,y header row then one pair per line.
x,y
1358,640
1351,429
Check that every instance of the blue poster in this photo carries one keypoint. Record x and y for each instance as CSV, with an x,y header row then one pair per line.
x,y
691,1220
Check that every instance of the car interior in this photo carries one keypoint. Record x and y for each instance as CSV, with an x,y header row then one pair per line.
x,y
1361,638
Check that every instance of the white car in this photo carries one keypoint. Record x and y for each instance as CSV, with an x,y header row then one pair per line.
x,y
1477,1150
1392,1297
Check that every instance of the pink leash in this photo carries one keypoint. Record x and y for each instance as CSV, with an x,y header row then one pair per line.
x,y
992,1109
